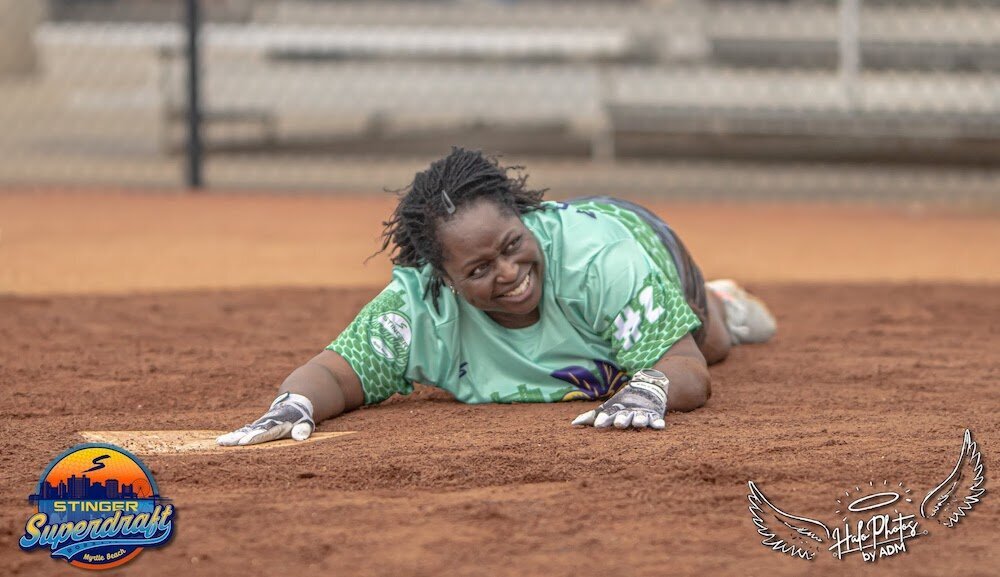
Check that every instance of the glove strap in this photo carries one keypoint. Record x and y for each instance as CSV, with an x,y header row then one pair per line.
x,y
653,381
294,398
656,390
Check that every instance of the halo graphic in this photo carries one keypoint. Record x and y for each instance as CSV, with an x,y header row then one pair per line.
x,y
856,507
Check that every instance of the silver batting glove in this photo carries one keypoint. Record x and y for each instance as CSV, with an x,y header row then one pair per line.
x,y
290,415
641,403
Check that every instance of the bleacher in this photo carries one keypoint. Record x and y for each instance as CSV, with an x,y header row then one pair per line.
x,y
297,68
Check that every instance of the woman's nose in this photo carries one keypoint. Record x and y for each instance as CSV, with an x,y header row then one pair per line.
x,y
506,270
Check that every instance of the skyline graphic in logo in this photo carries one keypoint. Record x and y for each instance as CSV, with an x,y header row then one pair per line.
x,y
97,507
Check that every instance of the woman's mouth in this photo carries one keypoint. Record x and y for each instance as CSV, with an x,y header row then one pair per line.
x,y
520,290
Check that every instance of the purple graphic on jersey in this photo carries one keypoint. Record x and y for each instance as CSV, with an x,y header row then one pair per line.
x,y
606,382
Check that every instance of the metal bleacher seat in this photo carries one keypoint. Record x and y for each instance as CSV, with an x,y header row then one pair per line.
x,y
806,102
930,72
308,69
904,35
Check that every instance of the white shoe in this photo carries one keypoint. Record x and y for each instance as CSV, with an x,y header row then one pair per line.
x,y
747,317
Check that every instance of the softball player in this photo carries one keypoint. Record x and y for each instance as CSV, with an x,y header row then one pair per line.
x,y
498,296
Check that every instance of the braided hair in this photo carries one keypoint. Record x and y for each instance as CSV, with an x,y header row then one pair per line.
x,y
437,193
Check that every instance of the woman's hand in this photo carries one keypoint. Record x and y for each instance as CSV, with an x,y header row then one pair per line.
x,y
290,415
640,404
324,387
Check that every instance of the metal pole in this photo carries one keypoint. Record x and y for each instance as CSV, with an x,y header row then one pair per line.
x,y
194,148
849,48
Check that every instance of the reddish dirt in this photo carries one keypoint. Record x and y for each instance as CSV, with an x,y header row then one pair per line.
x,y
865,381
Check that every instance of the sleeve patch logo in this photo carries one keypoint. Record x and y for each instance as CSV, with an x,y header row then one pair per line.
x,y
382,349
391,336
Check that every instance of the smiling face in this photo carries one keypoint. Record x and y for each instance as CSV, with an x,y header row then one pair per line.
x,y
494,262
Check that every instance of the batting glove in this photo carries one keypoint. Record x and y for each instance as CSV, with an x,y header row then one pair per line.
x,y
290,415
640,404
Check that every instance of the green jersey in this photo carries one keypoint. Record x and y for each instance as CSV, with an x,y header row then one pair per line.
x,y
611,304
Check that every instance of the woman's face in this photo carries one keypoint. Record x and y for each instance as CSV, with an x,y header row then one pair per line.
x,y
494,262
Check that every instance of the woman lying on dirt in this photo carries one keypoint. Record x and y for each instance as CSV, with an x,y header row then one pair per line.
x,y
498,296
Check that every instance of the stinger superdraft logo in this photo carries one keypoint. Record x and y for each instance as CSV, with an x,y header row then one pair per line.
x,y
98,507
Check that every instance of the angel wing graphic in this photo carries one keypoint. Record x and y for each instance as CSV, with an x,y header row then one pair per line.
x,y
799,535
960,492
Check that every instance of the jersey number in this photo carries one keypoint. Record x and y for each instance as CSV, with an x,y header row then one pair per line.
x,y
628,321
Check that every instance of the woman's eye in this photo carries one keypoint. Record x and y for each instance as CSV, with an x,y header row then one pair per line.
x,y
514,244
478,271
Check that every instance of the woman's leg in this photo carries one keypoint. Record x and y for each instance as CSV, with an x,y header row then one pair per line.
x,y
717,342
747,318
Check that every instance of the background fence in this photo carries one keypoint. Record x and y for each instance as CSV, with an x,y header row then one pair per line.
x,y
850,99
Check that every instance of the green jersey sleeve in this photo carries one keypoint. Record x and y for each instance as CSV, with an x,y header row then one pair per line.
x,y
377,344
635,306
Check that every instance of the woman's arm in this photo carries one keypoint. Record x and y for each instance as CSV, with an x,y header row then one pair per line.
x,y
690,384
324,387
329,382
645,400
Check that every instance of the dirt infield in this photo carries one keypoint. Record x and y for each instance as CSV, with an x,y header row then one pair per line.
x,y
115,243
120,312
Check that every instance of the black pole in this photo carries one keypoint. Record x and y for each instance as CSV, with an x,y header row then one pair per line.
x,y
194,148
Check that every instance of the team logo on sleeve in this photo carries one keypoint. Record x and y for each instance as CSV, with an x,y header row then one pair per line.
x,y
98,507
390,336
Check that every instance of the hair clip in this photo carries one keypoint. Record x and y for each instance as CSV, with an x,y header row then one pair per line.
x,y
448,204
